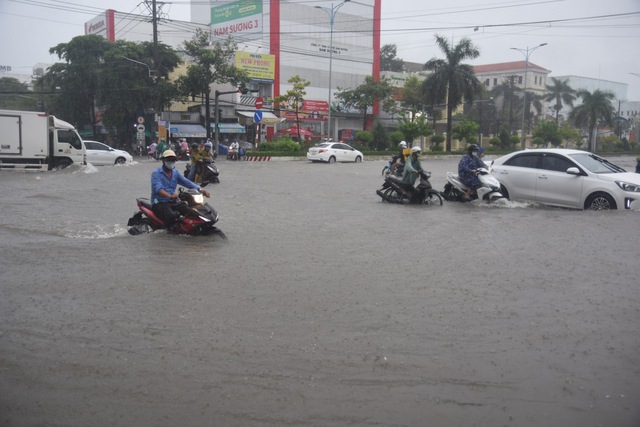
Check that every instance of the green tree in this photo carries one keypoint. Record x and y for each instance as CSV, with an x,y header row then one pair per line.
x,y
595,108
504,93
452,81
412,97
366,95
533,101
560,93
548,132
414,127
295,96
466,131
78,79
210,64
388,59
380,139
15,95
136,85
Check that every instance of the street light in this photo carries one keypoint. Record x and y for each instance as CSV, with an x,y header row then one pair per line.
x,y
526,52
331,11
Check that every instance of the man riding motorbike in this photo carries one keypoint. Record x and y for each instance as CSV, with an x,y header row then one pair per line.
x,y
164,181
412,166
468,168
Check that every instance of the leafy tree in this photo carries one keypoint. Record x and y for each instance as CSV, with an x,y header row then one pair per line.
x,y
78,79
379,137
532,100
15,95
466,131
560,93
210,65
548,132
505,92
414,127
364,136
295,96
366,95
395,137
569,134
388,59
138,90
452,81
596,107
436,140
412,97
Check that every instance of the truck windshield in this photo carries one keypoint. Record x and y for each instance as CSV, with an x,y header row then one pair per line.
x,y
70,137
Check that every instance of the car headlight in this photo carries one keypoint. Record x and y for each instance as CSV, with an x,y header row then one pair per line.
x,y
627,186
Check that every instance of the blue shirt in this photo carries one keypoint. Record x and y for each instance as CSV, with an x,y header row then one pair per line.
x,y
466,165
160,181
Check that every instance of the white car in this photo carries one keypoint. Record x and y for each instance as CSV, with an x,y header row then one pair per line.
x,y
99,154
332,152
568,178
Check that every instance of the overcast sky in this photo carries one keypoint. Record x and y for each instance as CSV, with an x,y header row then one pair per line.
x,y
588,38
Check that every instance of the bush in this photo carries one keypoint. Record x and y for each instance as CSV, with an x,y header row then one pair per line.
x,y
282,145
537,141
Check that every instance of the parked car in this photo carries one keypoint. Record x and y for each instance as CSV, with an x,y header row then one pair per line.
x,y
99,154
568,178
332,152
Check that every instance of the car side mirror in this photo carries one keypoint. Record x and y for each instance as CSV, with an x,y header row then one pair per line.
x,y
573,171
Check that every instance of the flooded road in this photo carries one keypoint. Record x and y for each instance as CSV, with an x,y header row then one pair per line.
x,y
325,306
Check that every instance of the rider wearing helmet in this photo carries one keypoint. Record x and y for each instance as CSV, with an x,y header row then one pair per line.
x,y
164,182
398,159
468,168
195,156
412,166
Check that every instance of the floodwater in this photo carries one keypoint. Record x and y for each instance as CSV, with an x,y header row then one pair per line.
x,y
325,306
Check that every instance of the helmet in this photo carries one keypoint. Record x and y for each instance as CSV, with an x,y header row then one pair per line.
x,y
194,146
402,144
480,150
208,144
472,148
168,153
416,149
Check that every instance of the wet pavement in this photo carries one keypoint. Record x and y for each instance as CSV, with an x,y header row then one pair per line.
x,y
325,306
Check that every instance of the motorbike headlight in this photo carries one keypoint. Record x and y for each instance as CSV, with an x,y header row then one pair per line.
x,y
627,186
198,198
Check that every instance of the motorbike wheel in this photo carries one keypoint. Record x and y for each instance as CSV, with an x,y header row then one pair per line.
x,y
390,195
432,198
140,226
386,171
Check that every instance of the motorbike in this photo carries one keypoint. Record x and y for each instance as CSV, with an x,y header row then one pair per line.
x,y
209,173
455,189
386,170
395,190
197,218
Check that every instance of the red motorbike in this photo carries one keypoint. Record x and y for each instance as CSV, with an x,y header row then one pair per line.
x,y
197,218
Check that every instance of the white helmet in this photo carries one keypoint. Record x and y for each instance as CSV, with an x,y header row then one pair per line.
x,y
416,149
402,144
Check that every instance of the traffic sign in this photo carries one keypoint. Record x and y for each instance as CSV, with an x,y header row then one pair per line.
x,y
140,119
257,116
259,103
141,128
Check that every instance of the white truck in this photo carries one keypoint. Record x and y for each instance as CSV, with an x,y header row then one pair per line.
x,y
37,141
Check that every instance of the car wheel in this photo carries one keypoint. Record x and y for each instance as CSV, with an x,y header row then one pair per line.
x,y
332,160
358,159
120,161
600,202
504,192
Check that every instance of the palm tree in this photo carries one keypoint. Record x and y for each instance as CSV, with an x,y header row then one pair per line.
x,y
561,93
505,92
533,100
451,81
596,107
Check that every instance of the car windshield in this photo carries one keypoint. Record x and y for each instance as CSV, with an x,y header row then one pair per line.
x,y
596,164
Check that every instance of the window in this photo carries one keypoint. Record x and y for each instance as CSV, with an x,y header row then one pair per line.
x,y
486,82
519,79
495,81
555,163
70,137
523,161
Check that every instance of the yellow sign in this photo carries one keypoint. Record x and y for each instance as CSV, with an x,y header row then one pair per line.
x,y
259,66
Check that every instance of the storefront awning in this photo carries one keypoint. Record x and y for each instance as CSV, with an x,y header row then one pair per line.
x,y
187,131
267,118
229,128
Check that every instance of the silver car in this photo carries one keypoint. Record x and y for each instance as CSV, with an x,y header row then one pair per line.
x,y
568,178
